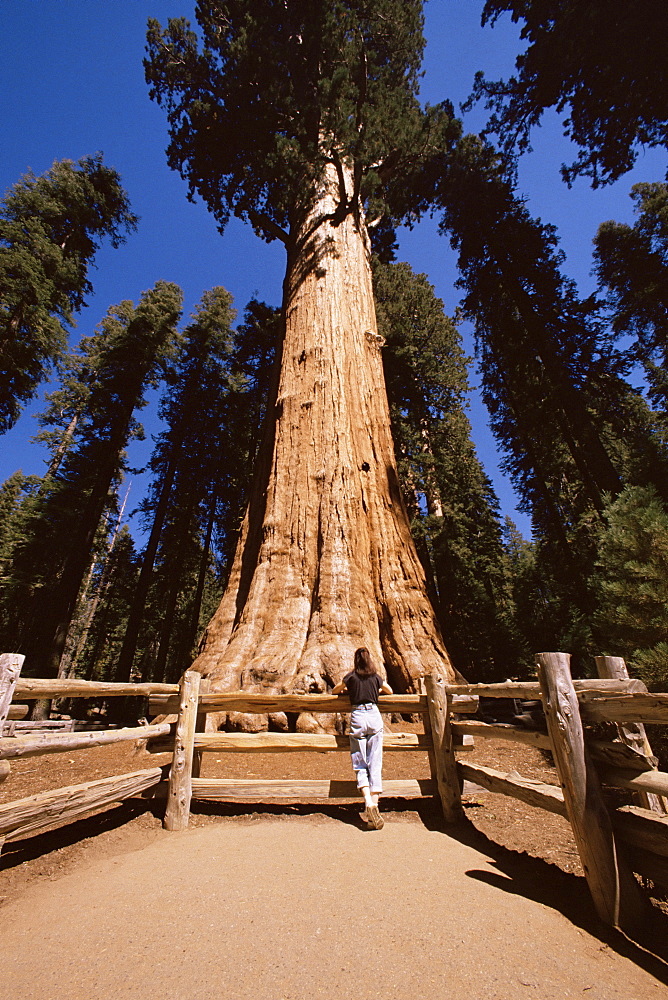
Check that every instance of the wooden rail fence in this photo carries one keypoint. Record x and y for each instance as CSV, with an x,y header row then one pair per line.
x,y
613,841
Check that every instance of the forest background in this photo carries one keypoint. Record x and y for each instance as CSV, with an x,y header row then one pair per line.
x,y
72,84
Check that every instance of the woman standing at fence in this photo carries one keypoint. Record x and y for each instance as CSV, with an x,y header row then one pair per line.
x,y
366,730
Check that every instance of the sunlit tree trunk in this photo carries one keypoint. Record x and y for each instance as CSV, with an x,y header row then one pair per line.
x,y
325,561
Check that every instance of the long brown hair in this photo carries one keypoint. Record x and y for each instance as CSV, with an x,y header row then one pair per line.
x,y
364,665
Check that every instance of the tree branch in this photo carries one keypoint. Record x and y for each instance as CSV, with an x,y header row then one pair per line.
x,y
262,221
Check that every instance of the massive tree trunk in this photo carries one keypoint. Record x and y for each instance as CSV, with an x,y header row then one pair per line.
x,y
325,561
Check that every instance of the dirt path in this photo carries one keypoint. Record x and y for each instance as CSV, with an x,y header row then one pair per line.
x,y
312,906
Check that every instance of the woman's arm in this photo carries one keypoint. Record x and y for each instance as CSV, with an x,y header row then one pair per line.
x,y
385,688
339,688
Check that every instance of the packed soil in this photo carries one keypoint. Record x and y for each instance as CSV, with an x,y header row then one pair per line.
x,y
306,901
505,821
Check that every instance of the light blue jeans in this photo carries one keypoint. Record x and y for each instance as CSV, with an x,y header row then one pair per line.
x,y
366,746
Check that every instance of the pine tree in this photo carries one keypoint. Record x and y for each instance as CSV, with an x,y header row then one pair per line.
x,y
50,229
303,119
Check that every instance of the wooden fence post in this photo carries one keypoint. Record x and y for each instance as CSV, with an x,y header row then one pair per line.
x,y
177,813
613,888
631,733
10,668
447,776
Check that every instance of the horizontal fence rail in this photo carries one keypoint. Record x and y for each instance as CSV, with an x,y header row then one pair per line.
x,y
37,744
258,790
265,704
588,765
38,812
34,688
271,742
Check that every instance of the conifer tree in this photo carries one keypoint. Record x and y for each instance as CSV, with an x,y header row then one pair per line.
x,y
573,430
541,349
187,406
98,648
631,583
303,119
454,511
632,266
213,406
129,351
604,64
50,229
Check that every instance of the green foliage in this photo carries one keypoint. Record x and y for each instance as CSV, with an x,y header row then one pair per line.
x,y
202,467
631,582
632,264
278,89
455,518
542,354
50,229
605,64
126,355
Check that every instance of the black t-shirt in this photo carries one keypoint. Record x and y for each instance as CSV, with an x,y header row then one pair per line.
x,y
362,689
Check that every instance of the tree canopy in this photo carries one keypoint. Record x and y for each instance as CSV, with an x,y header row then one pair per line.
x,y
276,91
605,64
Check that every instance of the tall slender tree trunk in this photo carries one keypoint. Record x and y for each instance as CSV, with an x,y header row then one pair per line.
x,y
138,607
325,561
65,443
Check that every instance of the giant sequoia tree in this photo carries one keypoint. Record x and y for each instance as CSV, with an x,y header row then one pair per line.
x,y
301,118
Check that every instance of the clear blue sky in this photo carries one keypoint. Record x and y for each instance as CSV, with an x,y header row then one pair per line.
x,y
72,83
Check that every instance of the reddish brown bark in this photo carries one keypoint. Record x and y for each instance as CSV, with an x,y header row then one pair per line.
x,y
325,561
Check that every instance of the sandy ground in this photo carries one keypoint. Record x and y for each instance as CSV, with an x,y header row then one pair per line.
x,y
298,906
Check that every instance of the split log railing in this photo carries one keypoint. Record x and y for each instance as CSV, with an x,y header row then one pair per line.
x,y
613,841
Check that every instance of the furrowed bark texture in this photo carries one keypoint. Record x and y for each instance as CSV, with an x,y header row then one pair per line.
x,y
325,561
